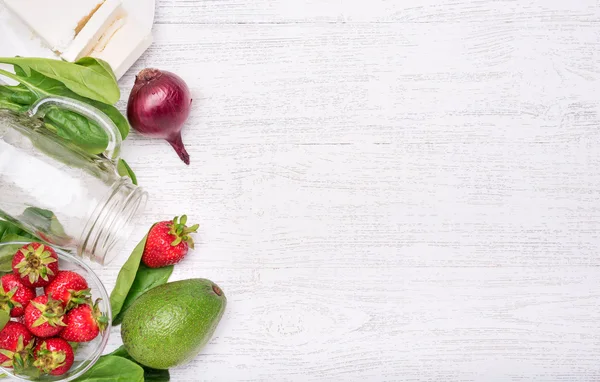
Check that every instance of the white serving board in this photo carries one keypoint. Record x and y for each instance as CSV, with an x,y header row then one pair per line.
x,y
19,40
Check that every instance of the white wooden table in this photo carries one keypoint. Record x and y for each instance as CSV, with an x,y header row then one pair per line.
x,y
387,190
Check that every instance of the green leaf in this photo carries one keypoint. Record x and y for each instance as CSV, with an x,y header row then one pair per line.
x,y
14,98
8,228
110,368
30,371
124,170
150,374
42,86
98,65
19,95
4,318
44,221
120,352
145,279
156,375
74,346
77,129
126,278
88,78
114,114
5,104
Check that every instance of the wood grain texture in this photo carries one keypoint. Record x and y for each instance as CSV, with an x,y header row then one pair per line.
x,y
341,11
386,190
409,324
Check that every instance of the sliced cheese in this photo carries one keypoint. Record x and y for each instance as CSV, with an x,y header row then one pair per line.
x,y
122,44
89,34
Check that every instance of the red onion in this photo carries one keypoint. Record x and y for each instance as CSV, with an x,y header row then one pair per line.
x,y
158,106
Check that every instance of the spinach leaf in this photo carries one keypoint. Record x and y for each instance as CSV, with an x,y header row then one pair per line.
x,y
30,371
120,352
124,170
43,86
126,278
77,129
110,368
44,221
8,105
89,79
145,279
17,94
156,375
98,65
114,114
8,228
150,374
4,318
133,280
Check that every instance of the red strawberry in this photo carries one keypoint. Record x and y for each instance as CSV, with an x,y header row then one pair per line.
x,y
15,345
14,296
168,242
68,287
36,264
53,356
44,316
84,323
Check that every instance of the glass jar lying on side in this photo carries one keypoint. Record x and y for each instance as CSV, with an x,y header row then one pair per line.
x,y
56,190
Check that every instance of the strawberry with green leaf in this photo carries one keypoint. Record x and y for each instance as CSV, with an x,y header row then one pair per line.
x,y
84,323
168,242
44,316
36,264
53,356
14,295
16,343
70,288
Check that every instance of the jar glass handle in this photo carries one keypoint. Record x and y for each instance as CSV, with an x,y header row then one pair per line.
x,y
41,107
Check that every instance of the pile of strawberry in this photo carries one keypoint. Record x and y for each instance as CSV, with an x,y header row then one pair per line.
x,y
49,309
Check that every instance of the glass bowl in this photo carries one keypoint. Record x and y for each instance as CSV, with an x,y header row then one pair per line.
x,y
86,354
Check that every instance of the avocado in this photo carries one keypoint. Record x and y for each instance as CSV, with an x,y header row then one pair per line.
x,y
168,325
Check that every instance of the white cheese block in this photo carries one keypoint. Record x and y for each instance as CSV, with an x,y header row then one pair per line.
x,y
56,21
89,35
17,39
122,44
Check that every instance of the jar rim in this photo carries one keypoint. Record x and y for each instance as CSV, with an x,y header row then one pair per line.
x,y
112,222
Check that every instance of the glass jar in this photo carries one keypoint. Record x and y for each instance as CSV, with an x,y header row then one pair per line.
x,y
56,190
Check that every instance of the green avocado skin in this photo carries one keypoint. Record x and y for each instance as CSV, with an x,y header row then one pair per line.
x,y
168,325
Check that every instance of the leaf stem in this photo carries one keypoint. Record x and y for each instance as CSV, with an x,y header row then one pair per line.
x,y
10,75
10,106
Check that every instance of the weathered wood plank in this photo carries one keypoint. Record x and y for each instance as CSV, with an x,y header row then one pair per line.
x,y
409,324
334,11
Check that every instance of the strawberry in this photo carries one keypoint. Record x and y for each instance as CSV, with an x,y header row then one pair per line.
x,y
84,323
68,287
15,345
167,242
14,296
53,356
44,316
36,264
